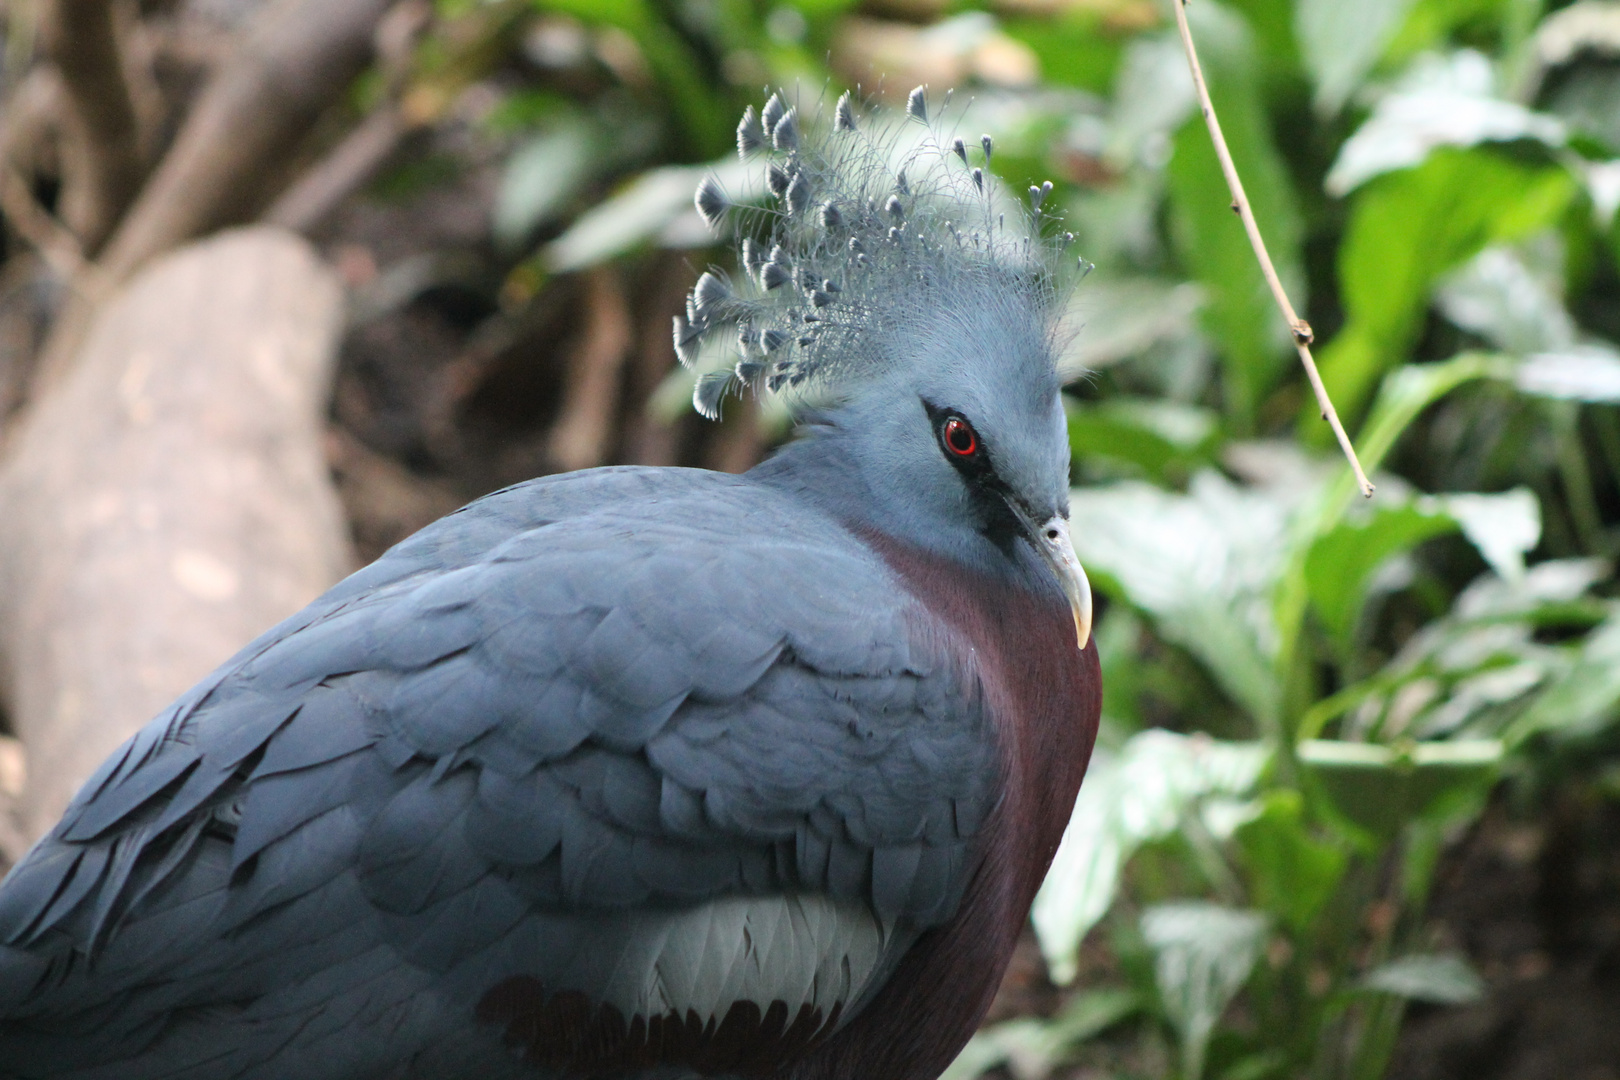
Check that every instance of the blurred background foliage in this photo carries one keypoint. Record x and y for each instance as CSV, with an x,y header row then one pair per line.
x,y
1355,807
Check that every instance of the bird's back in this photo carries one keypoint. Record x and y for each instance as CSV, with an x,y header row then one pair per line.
x,y
646,770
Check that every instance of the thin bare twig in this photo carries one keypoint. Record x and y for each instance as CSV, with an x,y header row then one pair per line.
x,y
1298,327
31,221
349,166
356,159
581,436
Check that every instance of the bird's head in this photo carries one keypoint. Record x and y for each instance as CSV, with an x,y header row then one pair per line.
x,y
910,310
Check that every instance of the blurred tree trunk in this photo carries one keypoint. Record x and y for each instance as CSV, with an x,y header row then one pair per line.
x,y
168,499
164,493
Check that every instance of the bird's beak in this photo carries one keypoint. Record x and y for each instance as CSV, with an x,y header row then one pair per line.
x,y
1052,541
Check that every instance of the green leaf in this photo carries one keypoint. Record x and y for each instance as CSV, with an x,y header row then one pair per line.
x,y
1203,954
1443,979
1122,317
1341,42
1160,439
1374,790
1240,316
1153,96
1432,22
1202,565
1139,795
981,1054
653,207
1032,1049
1408,390
1580,373
1504,527
1478,664
1404,394
548,171
541,177
1443,101
1585,700
1405,230
705,116
1070,48
1584,93
1273,25
1512,298
1341,563
1291,874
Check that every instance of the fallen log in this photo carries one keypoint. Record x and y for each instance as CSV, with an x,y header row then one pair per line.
x,y
167,499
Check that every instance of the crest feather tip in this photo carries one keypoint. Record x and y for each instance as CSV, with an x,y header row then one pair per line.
x,y
711,202
844,114
917,105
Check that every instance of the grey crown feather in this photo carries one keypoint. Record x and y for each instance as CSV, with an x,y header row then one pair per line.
x,y
861,242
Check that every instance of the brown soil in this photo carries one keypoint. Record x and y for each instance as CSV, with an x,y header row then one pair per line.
x,y
1536,906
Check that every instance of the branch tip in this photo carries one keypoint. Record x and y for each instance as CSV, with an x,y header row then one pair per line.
x,y
1300,329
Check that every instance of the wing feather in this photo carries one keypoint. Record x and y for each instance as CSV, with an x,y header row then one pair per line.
x,y
670,718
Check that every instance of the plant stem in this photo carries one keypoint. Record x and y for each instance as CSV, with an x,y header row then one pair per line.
x,y
1298,327
1577,480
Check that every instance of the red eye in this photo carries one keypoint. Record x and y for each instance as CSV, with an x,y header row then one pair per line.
x,y
959,437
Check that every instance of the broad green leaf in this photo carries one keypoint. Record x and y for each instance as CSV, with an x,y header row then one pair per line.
x,y
1585,699
981,1054
1089,1014
1266,1064
1504,527
1116,318
1070,49
1404,394
1161,439
1341,563
1341,42
1201,564
1409,390
1408,228
1442,101
1433,24
541,177
1153,96
1291,874
1240,316
1479,664
1203,954
1273,24
1602,180
1442,979
1374,790
654,207
1032,1049
1580,373
1517,307
1585,94
1140,794
705,116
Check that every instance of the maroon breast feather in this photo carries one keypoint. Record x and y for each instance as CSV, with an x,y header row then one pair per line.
x,y
1045,699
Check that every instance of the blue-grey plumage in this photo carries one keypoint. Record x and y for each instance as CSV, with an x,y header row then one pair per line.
x,y
652,772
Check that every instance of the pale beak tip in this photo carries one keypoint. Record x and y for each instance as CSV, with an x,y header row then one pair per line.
x,y
1082,610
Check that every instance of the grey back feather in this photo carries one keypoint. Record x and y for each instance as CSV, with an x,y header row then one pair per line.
x,y
875,235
